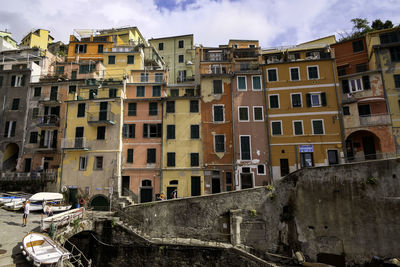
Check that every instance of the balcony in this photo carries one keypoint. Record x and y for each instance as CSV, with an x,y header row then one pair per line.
x,y
50,100
216,56
214,70
185,79
101,118
77,143
244,67
375,119
49,175
147,78
48,121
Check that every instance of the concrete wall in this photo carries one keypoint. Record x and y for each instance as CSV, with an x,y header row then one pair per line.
x,y
350,209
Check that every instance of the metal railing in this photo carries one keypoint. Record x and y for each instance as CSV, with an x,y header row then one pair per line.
x,y
74,143
105,116
147,78
46,175
48,120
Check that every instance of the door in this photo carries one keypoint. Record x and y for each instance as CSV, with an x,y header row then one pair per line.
x,y
53,93
79,137
74,74
196,185
125,185
170,189
369,147
333,157
246,180
215,185
103,111
27,165
349,149
284,167
54,141
146,195
73,196
306,159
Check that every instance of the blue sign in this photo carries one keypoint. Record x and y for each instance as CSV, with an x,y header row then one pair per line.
x,y
306,148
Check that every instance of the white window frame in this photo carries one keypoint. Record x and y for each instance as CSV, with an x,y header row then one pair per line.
x,y
319,99
355,82
254,113
215,150
294,129
290,74
245,83
86,163
261,173
223,113
10,127
252,83
308,74
277,77
323,126
269,101
291,100
280,122
95,163
18,81
240,146
248,114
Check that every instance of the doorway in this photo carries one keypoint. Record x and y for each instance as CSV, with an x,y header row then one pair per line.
x,y
215,185
125,185
79,137
171,189
195,186
103,111
246,180
369,147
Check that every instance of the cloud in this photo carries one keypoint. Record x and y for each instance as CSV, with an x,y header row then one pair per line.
x,y
213,22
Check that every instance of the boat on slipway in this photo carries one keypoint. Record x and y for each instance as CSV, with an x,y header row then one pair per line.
x,y
13,200
41,250
61,219
38,199
55,206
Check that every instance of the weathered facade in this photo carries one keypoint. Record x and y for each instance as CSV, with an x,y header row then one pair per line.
x,y
38,38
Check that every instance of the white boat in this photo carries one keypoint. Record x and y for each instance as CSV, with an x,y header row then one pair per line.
x,y
14,205
61,219
42,250
38,198
13,197
56,206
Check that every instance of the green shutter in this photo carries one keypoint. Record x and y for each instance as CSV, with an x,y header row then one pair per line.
x,y
345,86
366,82
323,99
308,100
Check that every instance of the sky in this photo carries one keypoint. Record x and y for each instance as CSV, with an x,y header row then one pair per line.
x,y
213,22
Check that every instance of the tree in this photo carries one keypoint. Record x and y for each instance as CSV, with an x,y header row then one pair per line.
x,y
360,25
379,25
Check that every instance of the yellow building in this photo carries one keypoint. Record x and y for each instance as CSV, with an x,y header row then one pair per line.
x,y
302,104
37,38
182,143
384,54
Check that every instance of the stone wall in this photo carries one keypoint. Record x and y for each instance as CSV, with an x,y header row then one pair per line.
x,y
352,210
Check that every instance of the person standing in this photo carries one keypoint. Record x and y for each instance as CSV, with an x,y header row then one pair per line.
x,y
26,213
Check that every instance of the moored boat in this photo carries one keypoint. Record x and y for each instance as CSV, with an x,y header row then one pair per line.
x,y
61,219
38,199
56,206
13,197
14,205
42,250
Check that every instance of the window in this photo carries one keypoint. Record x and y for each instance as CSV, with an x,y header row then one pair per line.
x,y
258,114
160,46
194,159
390,37
180,44
112,93
366,82
316,99
298,128
346,110
273,101
101,132
294,74
156,90
218,113
111,60
73,74
152,130
33,138
256,80
128,130
217,86
318,126
37,91
396,78
261,169
341,71
272,75
194,131
82,163
243,113
312,72
252,46
9,130
129,155
171,159
241,83
181,59
17,81
364,110
296,100
174,92
81,110
170,131
60,70
100,49
151,155
219,143
153,108
361,67
181,75
15,104
84,69
170,107
80,48
245,150
345,86
358,46
35,113
54,93
276,127
130,59
394,53
72,89
194,106
159,77
132,109
144,77
355,85
189,92
140,91
98,163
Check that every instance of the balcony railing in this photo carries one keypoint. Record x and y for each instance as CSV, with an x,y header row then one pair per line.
x,y
101,117
56,99
214,70
185,79
48,121
46,176
246,67
372,120
215,57
147,78
77,143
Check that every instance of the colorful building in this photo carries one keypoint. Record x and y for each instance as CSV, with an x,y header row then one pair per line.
x,y
7,42
384,53
302,107
366,120
37,38
250,144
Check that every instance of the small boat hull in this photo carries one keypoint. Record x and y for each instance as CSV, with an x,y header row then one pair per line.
x,y
61,219
57,207
15,205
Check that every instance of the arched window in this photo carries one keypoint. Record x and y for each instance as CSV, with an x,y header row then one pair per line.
x,y
173,182
146,183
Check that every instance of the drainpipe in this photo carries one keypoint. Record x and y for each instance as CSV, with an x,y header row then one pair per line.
x,y
339,111
234,165
63,153
267,123
162,144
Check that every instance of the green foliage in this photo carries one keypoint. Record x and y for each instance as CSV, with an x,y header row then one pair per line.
x,y
361,27
372,180
379,25
270,188
253,213
272,195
